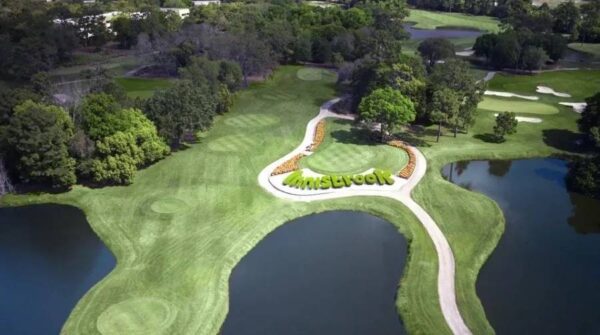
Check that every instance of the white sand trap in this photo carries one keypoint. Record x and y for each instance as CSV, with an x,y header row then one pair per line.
x,y
578,107
511,95
548,90
526,119
465,53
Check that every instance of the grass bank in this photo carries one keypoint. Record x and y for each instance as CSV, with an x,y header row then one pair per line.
x,y
424,19
143,87
179,230
588,48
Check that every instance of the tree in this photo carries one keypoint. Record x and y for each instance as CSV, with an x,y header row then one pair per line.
x,y
388,107
5,184
589,123
182,109
584,176
119,154
567,18
506,52
100,116
506,124
92,31
533,58
485,44
435,49
454,74
444,108
126,30
39,135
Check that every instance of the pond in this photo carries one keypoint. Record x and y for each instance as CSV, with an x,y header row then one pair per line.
x,y
544,276
421,34
50,258
330,273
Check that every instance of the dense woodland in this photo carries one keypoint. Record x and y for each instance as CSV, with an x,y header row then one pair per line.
x,y
99,136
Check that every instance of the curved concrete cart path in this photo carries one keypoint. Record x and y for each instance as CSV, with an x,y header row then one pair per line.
x,y
446,264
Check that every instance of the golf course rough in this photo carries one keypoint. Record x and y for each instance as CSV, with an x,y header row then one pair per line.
x,y
297,180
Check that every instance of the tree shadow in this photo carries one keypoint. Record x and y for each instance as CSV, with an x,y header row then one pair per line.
x,y
488,138
563,139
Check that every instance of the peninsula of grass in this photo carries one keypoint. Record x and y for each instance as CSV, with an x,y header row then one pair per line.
x,y
473,223
434,20
588,48
348,149
185,222
142,87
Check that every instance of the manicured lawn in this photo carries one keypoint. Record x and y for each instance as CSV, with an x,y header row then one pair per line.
x,y
431,20
143,87
348,150
517,105
590,48
178,231
580,84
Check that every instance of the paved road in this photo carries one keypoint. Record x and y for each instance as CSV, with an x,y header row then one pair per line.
x,y
446,268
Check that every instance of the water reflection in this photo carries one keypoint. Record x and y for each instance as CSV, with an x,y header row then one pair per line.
x,y
49,258
543,277
330,273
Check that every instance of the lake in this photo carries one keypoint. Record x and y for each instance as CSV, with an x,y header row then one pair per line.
x,y
330,273
544,276
50,258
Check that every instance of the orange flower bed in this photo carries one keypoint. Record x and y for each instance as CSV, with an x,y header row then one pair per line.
x,y
408,170
288,166
319,136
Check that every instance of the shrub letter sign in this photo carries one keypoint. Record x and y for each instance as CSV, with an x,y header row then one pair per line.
x,y
297,180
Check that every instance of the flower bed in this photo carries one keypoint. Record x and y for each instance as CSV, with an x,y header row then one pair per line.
x,y
319,136
288,166
408,170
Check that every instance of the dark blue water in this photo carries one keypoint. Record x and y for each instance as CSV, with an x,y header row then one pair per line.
x,y
544,276
49,258
421,34
331,273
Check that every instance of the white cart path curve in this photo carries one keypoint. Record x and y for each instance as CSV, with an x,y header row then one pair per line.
x,y
446,264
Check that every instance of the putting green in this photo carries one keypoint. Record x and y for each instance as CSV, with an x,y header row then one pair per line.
x,y
311,74
517,106
137,316
348,150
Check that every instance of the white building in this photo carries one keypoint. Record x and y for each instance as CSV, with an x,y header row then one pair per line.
x,y
206,2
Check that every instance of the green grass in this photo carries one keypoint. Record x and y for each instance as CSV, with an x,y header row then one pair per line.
x,y
431,20
178,231
143,87
348,150
580,84
518,106
589,48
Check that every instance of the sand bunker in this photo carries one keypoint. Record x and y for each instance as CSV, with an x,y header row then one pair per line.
x,y
578,107
510,95
548,90
526,119
465,53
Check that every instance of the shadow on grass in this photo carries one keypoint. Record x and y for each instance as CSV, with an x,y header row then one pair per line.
x,y
563,139
488,138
